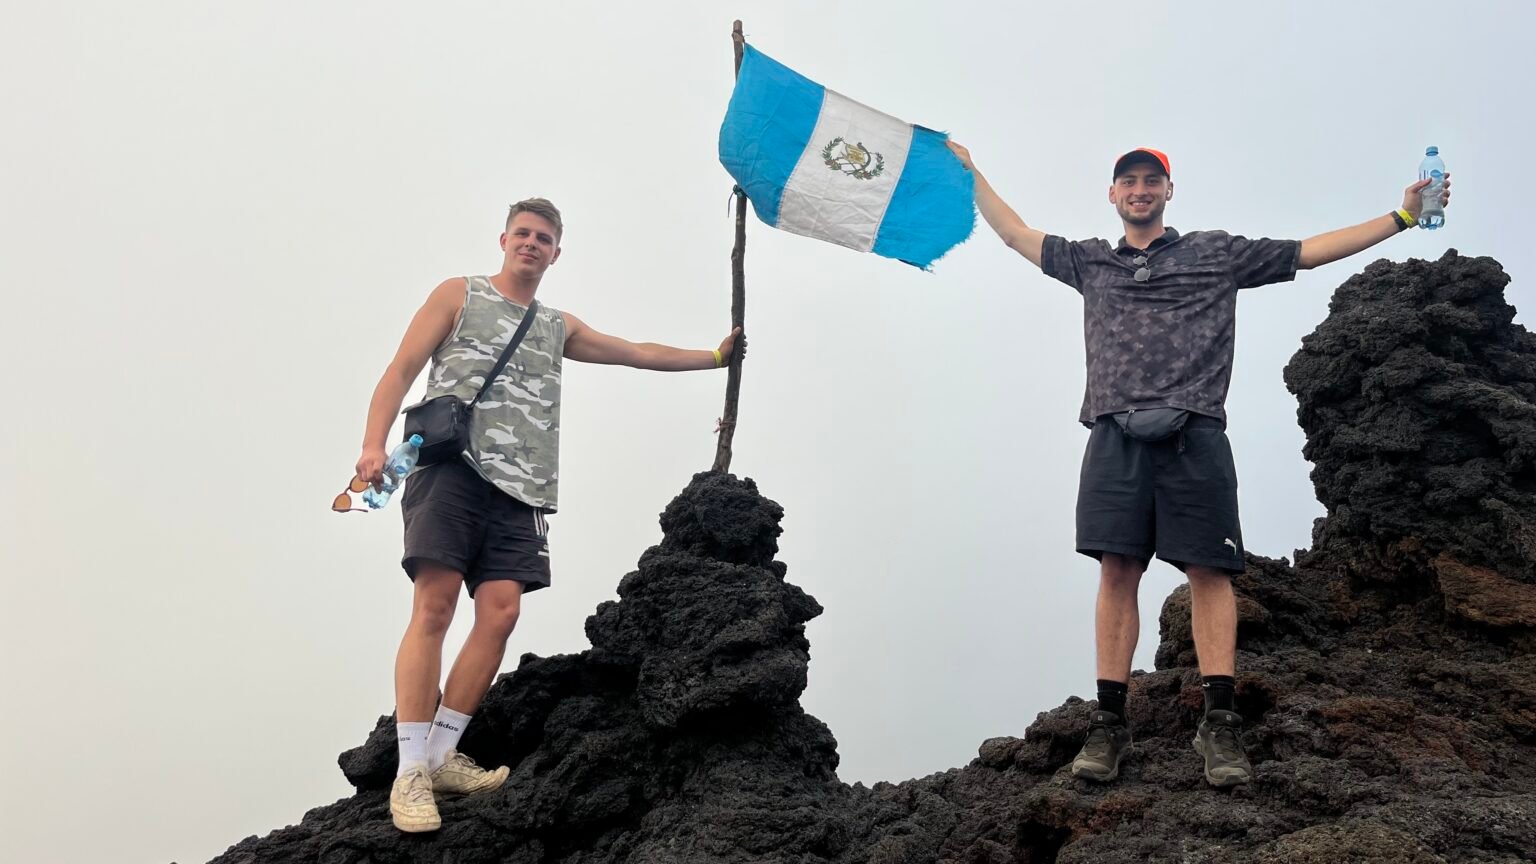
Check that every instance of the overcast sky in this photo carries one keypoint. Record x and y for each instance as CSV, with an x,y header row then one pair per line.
x,y
218,218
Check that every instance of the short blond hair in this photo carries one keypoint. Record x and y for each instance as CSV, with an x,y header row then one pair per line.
x,y
538,207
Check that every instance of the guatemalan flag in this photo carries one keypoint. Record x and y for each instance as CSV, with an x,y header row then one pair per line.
x,y
817,163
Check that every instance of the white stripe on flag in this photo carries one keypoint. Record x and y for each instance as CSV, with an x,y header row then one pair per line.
x,y
833,203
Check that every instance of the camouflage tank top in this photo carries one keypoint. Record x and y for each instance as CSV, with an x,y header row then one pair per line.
x,y
514,436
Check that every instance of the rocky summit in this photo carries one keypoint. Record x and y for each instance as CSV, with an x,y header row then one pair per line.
x,y
1387,674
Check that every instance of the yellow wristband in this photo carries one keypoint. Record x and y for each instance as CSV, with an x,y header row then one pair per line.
x,y
1406,217
719,361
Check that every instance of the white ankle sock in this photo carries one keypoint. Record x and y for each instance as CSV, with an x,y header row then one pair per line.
x,y
447,729
413,745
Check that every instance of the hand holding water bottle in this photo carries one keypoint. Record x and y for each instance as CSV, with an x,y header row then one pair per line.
x,y
401,460
1419,198
387,476
370,465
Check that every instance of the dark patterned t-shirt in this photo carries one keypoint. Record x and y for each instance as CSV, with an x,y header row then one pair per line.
x,y
1165,342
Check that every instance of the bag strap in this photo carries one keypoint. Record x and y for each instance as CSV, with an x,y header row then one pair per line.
x,y
506,353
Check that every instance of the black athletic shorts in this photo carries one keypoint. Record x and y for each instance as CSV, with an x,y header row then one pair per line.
x,y
1176,498
457,518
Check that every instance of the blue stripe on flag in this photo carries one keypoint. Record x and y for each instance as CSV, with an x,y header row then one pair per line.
x,y
767,127
932,208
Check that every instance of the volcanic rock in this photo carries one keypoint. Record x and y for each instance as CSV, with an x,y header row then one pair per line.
x,y
1386,675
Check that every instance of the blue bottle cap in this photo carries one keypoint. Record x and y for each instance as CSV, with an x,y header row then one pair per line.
x,y
415,440
1432,151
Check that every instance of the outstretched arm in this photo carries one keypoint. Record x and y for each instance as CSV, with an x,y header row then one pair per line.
x,y
1330,247
592,346
1014,232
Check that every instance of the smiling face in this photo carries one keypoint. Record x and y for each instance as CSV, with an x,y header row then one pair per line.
x,y
1140,192
530,245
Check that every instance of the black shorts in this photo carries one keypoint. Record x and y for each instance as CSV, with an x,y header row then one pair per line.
x,y
1176,497
456,518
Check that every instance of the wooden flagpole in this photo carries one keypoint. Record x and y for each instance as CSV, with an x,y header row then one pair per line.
x,y
727,428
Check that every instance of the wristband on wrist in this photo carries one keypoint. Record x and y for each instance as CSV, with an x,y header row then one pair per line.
x,y
1403,218
719,361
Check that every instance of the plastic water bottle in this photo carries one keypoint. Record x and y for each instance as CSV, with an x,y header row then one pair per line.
x,y
400,462
1433,170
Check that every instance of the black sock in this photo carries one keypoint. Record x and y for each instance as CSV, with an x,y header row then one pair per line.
x,y
1112,697
1218,692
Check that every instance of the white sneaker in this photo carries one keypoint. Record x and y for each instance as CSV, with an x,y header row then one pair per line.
x,y
461,776
411,804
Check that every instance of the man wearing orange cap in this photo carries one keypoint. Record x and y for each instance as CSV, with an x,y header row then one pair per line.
x,y
1159,314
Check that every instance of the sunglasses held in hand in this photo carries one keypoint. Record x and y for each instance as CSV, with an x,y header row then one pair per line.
x,y
343,502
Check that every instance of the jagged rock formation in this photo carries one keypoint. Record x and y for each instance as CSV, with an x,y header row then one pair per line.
x,y
1387,675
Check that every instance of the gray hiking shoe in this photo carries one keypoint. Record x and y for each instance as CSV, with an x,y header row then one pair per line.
x,y
1108,739
1216,740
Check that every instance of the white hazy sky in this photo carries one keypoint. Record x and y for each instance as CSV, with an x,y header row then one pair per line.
x,y
217,219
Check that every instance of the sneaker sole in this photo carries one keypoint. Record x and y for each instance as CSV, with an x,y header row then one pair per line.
x,y
413,826
1087,773
1219,783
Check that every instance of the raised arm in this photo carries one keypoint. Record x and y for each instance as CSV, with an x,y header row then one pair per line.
x,y
427,330
588,345
1330,247
1014,232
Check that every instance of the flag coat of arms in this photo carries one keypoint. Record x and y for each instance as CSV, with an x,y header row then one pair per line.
x,y
817,163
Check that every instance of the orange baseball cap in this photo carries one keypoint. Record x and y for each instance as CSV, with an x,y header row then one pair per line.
x,y
1142,155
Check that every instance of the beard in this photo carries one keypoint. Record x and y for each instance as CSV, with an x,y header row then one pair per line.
x,y
1154,213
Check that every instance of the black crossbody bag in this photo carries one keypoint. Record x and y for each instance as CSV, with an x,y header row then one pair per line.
x,y
443,421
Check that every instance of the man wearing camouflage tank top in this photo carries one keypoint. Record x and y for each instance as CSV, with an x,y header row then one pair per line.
x,y
1159,313
480,522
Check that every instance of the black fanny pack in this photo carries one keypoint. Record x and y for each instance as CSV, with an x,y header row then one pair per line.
x,y
443,421
1152,424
